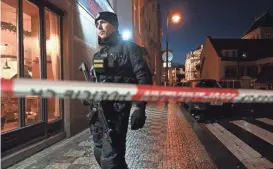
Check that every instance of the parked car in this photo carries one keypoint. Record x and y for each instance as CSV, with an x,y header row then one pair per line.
x,y
206,108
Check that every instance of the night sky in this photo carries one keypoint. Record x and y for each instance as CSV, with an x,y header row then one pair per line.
x,y
215,18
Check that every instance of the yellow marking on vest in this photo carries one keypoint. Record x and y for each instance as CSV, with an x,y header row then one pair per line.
x,y
98,61
98,65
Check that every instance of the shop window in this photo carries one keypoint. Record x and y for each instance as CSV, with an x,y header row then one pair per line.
x,y
31,59
9,62
52,22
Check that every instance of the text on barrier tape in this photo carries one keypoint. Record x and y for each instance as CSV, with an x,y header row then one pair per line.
x,y
153,93
106,91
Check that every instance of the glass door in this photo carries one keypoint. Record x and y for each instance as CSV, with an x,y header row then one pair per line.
x,y
53,66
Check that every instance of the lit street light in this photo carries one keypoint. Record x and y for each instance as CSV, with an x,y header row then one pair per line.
x,y
126,35
175,18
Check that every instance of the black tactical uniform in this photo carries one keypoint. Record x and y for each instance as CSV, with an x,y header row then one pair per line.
x,y
123,62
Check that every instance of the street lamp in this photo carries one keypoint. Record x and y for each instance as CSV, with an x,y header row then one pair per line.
x,y
174,18
126,35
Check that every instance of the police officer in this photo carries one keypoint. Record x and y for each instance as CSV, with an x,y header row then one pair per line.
x,y
123,62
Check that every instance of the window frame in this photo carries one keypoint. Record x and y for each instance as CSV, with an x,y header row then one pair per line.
x,y
12,140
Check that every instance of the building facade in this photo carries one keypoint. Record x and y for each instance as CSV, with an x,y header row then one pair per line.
x,y
176,74
235,59
147,33
238,63
49,39
192,64
261,28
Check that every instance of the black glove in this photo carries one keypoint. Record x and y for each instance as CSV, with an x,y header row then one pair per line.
x,y
138,119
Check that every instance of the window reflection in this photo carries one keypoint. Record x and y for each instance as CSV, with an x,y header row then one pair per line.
x,y
53,59
9,59
31,58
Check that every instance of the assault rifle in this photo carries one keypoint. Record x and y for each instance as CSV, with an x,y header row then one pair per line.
x,y
96,110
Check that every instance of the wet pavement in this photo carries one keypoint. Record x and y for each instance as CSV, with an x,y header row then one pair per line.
x,y
166,141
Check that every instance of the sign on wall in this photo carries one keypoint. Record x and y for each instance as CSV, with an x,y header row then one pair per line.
x,y
170,56
169,64
95,6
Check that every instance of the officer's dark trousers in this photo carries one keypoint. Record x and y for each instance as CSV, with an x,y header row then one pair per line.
x,y
112,156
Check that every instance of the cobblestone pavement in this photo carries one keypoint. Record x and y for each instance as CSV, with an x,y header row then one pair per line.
x,y
166,141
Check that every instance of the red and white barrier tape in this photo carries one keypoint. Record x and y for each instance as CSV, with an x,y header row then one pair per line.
x,y
105,91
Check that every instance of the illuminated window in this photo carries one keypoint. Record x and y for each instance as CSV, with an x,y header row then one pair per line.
x,y
53,59
31,59
9,62
11,111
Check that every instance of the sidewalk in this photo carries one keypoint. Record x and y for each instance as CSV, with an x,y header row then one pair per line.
x,y
166,141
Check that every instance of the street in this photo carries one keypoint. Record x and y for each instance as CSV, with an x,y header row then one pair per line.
x,y
59,56
244,140
166,141
174,139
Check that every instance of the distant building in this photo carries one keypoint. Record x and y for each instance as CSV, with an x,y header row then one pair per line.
x,y
235,59
176,73
193,65
147,33
261,28
240,61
